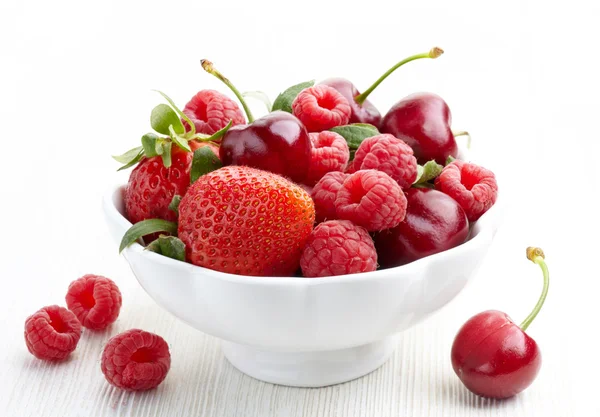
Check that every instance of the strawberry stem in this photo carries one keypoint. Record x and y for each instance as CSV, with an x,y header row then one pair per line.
x,y
433,53
208,67
536,255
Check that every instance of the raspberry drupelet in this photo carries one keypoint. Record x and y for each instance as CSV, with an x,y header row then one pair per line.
x,y
329,153
338,247
95,300
52,333
320,108
388,154
473,187
371,199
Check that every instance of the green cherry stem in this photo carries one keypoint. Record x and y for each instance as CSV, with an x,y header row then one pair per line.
x,y
536,255
433,53
208,67
463,133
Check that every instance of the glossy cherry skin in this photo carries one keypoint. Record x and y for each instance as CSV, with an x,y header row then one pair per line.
x,y
423,121
361,113
434,222
277,142
493,357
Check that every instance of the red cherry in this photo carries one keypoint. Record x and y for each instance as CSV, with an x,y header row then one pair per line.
x,y
363,111
434,223
423,121
493,356
277,142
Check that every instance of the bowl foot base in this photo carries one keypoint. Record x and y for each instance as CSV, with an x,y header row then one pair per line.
x,y
309,369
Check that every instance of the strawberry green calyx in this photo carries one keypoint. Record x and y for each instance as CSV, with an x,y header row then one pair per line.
x,y
166,120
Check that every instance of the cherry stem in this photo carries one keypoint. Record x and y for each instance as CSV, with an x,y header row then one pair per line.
x,y
463,133
208,67
536,255
433,53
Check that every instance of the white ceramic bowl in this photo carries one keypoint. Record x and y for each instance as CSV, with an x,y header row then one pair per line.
x,y
299,331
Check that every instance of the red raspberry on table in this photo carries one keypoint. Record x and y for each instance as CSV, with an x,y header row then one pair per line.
x,y
136,360
473,187
52,333
151,186
324,194
388,154
244,221
371,199
211,111
95,300
329,153
338,247
320,108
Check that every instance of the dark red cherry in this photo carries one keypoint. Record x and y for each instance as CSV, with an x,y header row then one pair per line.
x,y
423,121
493,356
434,223
277,142
363,111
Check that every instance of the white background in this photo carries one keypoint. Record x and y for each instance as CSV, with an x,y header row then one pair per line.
x,y
75,88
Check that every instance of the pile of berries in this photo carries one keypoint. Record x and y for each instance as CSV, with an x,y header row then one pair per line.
x,y
134,360
320,186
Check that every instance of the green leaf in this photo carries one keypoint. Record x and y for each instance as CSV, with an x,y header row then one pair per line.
x,y
204,161
449,159
166,153
128,156
260,96
174,204
356,133
133,161
144,228
179,112
164,116
179,141
285,99
158,147
169,246
149,141
427,172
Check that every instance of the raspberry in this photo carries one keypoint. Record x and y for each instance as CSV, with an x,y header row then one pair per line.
x,y
52,333
210,111
136,360
371,199
320,108
95,300
473,187
338,247
388,154
324,194
329,153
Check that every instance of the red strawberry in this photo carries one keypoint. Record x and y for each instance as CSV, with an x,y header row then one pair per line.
x,y
151,186
242,220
